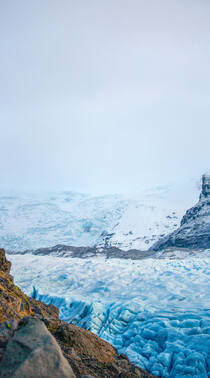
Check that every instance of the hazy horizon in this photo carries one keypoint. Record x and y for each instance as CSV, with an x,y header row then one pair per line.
x,y
103,97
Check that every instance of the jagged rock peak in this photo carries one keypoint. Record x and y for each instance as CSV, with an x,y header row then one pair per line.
x,y
205,186
194,231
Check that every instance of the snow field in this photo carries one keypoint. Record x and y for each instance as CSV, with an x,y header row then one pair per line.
x,y
37,220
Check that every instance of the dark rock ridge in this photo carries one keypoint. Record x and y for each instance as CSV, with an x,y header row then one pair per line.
x,y
194,231
35,343
61,250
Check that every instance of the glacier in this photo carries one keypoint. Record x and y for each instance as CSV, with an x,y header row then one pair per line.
x,y
156,311
35,220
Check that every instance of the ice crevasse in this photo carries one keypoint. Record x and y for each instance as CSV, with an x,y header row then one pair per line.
x,y
155,311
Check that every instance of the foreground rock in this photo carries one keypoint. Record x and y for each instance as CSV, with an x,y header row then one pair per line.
x,y
27,349
194,231
33,352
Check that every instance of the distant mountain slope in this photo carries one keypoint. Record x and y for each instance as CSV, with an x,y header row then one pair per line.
x,y
31,221
194,231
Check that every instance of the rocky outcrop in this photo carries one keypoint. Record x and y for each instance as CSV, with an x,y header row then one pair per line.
x,y
31,351
27,349
194,231
14,304
205,187
5,265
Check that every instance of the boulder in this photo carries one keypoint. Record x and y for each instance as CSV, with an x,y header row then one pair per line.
x,y
32,352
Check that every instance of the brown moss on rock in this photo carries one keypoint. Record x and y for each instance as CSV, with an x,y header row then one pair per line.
x,y
86,343
14,304
5,265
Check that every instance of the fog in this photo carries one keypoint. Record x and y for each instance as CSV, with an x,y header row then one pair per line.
x,y
103,96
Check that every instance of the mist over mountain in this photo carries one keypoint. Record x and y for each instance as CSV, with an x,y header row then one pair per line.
x,y
37,220
103,97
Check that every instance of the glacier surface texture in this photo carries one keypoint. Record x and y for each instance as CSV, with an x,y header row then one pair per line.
x,y
155,311
31,221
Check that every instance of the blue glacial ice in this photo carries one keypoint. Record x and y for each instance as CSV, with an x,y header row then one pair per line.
x,y
155,311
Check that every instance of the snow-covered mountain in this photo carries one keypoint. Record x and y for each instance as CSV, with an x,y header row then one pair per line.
x,y
30,221
155,311
194,231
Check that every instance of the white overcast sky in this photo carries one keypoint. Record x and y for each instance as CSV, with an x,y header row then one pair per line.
x,y
103,96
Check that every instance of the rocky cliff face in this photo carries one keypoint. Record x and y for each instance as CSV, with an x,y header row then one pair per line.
x,y
35,343
205,187
194,231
